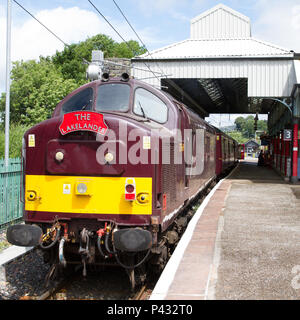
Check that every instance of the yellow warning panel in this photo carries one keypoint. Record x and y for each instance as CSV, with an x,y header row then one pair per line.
x,y
31,140
146,143
96,195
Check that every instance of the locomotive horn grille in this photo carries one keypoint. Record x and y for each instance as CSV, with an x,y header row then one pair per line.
x,y
125,77
105,77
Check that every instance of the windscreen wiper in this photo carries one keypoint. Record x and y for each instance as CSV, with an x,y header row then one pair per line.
x,y
143,112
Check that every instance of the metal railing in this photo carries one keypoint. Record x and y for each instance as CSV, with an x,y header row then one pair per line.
x,y
11,207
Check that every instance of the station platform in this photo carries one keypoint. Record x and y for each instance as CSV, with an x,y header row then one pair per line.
x,y
242,243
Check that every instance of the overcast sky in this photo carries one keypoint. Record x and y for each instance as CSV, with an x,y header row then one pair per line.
x,y
158,22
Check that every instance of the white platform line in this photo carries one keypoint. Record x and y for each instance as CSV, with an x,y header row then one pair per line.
x,y
213,274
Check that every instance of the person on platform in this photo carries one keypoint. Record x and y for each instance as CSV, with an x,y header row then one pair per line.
x,y
261,160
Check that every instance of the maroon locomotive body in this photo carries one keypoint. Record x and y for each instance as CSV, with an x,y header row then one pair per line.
x,y
108,175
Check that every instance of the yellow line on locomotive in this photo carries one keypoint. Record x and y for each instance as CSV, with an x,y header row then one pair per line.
x,y
94,195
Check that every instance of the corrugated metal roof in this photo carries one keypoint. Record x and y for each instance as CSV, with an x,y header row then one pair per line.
x,y
221,67
220,7
266,77
219,48
220,22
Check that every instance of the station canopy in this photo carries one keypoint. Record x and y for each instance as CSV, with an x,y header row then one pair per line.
x,y
221,68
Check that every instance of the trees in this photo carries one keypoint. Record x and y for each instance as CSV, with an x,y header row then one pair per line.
x,y
246,126
70,61
16,133
238,136
38,86
240,123
36,89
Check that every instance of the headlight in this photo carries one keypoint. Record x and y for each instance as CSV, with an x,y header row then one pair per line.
x,y
81,188
59,156
109,157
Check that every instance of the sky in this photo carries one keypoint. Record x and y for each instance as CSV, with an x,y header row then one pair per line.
x,y
158,23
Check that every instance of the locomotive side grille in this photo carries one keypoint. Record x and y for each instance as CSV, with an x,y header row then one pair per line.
x,y
169,175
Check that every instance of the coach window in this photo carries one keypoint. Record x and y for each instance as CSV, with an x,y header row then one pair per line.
x,y
83,100
149,106
113,97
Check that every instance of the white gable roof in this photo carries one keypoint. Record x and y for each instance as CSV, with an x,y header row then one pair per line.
x,y
211,54
220,22
220,32
219,48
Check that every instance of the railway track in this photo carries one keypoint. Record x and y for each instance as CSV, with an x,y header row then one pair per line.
x,y
64,290
139,295
58,293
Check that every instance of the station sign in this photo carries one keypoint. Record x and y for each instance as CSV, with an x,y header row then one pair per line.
x,y
287,135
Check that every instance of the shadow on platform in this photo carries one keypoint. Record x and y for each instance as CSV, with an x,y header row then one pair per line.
x,y
249,170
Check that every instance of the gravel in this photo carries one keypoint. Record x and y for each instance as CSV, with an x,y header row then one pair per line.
x,y
24,276
3,242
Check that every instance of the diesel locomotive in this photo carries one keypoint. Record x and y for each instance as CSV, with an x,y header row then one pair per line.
x,y
107,178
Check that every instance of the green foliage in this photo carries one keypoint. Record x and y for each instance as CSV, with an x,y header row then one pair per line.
x,y
262,125
4,244
70,60
16,134
38,86
238,136
240,123
36,89
246,126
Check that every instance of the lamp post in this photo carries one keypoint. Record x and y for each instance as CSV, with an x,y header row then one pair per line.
x,y
7,102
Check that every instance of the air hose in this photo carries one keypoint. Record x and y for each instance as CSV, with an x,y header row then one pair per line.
x,y
53,242
106,244
99,247
114,252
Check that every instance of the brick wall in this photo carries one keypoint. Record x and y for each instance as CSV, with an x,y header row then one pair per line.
x,y
117,70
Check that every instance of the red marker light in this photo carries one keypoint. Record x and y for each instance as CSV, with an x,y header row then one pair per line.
x,y
129,188
130,191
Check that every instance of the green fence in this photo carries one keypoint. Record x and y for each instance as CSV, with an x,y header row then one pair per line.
x,y
11,208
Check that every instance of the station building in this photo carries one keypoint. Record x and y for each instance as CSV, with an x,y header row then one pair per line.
x,y
221,68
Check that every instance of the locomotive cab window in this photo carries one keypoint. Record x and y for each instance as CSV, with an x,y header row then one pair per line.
x,y
150,106
113,97
83,100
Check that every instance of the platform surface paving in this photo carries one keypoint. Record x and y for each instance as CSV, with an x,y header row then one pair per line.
x,y
246,243
260,240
